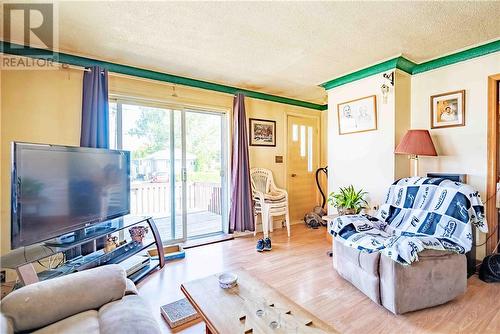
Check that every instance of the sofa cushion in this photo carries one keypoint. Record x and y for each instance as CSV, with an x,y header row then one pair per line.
x,y
85,322
131,288
5,325
47,302
138,319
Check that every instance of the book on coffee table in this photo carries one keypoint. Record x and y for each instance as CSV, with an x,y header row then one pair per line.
x,y
178,313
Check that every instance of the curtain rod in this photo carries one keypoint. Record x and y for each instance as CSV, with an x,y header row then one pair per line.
x,y
78,68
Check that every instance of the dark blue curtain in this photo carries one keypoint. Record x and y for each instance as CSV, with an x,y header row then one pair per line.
x,y
95,116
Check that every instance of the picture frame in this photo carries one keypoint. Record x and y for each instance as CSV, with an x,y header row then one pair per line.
x,y
262,132
358,115
448,109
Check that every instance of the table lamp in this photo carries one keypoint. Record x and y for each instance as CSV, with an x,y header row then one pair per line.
x,y
416,143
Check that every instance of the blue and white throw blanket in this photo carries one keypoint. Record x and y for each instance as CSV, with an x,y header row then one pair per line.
x,y
418,213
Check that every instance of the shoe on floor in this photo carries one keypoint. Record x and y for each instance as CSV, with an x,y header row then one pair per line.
x,y
267,244
260,245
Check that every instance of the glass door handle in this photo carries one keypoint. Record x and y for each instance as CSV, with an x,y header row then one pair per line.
x,y
184,175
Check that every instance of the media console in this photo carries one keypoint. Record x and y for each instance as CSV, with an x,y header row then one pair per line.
x,y
22,259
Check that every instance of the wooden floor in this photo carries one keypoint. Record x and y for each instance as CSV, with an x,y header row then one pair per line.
x,y
300,269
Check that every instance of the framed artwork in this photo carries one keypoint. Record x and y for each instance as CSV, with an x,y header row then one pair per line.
x,y
358,115
262,132
448,109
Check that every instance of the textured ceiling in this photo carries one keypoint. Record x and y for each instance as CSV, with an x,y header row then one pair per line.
x,y
282,48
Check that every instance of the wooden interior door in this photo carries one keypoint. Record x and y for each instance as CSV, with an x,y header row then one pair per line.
x,y
302,162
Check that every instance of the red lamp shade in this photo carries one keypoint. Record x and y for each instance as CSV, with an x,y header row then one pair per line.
x,y
416,142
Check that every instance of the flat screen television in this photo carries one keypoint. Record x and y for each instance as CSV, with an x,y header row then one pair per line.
x,y
59,189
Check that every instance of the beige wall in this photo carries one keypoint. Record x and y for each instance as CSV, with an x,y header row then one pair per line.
x,y
45,106
460,149
37,106
402,103
367,159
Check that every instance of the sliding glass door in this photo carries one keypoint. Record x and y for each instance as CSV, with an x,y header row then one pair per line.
x,y
205,173
177,168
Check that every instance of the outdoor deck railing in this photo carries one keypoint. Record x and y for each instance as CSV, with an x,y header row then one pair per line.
x,y
154,198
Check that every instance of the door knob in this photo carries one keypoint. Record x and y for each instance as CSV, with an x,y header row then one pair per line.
x,y
294,175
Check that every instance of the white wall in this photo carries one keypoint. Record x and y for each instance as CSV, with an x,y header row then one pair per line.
x,y
366,159
460,149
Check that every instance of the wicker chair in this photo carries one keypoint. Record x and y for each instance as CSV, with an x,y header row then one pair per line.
x,y
269,200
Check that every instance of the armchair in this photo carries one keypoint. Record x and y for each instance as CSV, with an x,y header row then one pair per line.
x,y
269,200
410,256
99,300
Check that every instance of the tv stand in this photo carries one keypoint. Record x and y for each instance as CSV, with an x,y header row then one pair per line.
x,y
22,259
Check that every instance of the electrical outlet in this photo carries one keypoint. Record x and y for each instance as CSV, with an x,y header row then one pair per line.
x,y
3,276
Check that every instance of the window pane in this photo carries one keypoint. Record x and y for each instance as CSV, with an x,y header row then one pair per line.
x,y
302,140
203,167
177,181
146,134
295,132
309,149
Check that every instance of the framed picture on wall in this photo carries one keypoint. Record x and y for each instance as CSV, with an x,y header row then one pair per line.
x,y
357,115
448,109
262,132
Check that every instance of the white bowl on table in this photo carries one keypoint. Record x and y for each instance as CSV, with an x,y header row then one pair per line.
x,y
227,280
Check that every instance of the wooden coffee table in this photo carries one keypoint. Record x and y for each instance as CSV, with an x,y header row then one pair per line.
x,y
250,307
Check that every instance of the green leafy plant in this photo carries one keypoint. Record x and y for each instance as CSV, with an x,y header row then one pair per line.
x,y
348,200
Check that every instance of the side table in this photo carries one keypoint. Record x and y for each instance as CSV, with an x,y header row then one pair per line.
x,y
329,237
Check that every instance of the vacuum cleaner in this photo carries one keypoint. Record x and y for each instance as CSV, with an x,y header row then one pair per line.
x,y
313,218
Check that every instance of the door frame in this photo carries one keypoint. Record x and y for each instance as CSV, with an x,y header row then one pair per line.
x,y
173,106
493,154
317,117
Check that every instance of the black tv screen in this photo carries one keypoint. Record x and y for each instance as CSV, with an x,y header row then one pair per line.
x,y
59,189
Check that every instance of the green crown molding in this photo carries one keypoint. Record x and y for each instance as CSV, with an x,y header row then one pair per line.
x,y
65,58
474,52
399,62
412,68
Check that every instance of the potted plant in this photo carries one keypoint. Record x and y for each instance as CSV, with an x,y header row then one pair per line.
x,y
348,201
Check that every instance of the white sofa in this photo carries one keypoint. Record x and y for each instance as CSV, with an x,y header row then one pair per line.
x,y
100,300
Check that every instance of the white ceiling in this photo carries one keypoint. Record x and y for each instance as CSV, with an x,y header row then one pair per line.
x,y
282,48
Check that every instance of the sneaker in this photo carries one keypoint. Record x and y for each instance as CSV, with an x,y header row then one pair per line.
x,y
260,245
267,244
